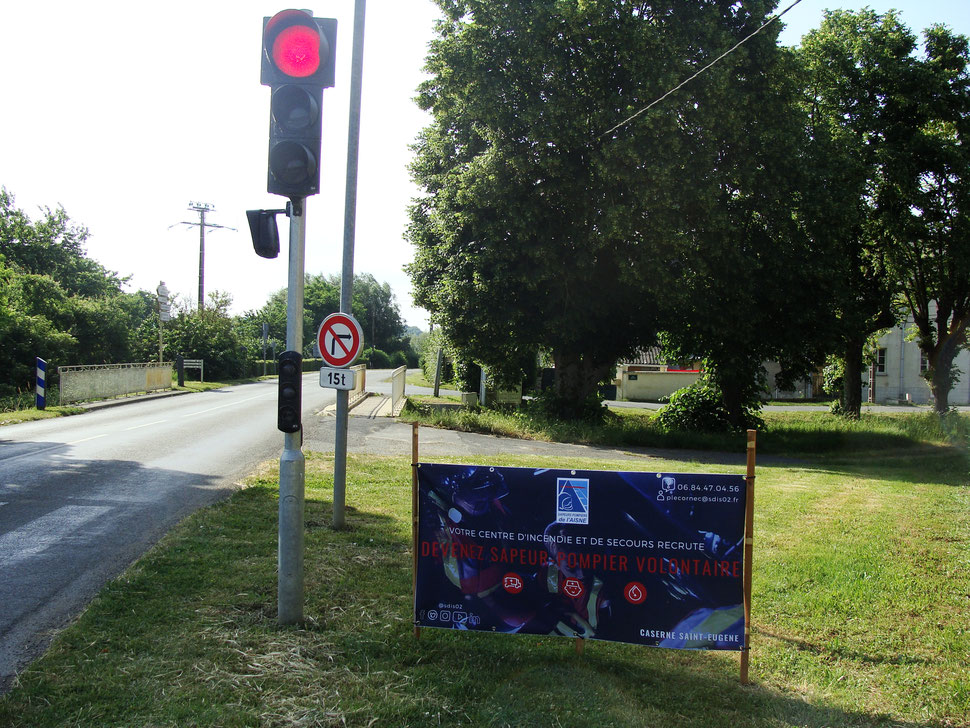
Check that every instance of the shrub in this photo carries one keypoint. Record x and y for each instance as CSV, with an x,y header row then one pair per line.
x,y
375,359
700,408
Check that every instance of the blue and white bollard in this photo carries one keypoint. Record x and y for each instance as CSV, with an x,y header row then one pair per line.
x,y
41,383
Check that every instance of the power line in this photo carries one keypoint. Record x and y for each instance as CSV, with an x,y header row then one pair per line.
x,y
686,81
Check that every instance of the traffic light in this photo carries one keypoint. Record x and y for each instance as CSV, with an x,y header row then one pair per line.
x,y
266,234
297,64
290,403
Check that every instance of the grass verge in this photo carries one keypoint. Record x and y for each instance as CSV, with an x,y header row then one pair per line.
x,y
31,414
785,433
861,618
416,378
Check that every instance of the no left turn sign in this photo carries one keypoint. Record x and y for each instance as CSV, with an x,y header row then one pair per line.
x,y
340,339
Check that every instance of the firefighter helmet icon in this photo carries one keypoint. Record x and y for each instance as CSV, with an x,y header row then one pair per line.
x,y
573,587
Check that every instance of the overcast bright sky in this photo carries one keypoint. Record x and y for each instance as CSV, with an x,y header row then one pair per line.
x,y
125,112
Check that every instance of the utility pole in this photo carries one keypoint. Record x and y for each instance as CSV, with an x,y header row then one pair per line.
x,y
202,208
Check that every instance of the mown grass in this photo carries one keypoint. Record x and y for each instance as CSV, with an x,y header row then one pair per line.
x,y
785,433
861,618
417,378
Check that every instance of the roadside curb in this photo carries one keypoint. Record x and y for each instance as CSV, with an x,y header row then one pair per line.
x,y
377,405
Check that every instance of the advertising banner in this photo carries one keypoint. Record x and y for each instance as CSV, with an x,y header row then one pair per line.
x,y
645,558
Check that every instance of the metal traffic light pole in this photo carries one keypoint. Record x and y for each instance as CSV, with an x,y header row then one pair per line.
x,y
292,461
297,63
347,271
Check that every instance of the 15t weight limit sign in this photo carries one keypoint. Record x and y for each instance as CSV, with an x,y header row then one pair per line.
x,y
340,339
337,378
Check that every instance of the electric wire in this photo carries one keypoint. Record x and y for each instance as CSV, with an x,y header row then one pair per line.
x,y
683,83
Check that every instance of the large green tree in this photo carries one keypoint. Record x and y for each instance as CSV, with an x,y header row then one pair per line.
x,y
537,229
752,285
208,334
854,66
925,202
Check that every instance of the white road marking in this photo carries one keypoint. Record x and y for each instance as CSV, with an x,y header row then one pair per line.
x,y
86,439
222,406
50,529
138,427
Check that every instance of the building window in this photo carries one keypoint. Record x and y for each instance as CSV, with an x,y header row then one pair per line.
x,y
924,363
881,361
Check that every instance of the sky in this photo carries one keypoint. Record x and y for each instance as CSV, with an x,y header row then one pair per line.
x,y
125,113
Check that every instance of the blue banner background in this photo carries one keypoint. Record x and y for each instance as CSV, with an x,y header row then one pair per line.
x,y
646,558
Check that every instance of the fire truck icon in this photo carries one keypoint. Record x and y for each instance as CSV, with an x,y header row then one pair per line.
x,y
512,583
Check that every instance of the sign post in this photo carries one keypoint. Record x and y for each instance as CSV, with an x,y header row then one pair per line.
x,y
41,386
347,266
748,552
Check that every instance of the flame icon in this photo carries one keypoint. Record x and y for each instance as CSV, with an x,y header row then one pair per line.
x,y
635,592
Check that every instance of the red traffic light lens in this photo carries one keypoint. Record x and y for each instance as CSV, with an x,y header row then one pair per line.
x,y
296,51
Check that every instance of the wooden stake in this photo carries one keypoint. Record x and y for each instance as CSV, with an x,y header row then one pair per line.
x,y
748,553
580,645
414,521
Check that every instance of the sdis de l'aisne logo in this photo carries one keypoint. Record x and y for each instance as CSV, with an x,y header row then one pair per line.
x,y
572,500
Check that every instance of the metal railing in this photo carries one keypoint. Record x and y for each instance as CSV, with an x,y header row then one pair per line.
x,y
398,377
359,391
101,381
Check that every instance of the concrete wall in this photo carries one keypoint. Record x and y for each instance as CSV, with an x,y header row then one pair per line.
x,y
647,386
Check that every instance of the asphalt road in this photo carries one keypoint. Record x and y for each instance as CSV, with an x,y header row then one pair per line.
x,y
82,497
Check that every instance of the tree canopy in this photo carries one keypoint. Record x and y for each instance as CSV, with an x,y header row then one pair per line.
x,y
55,302
780,206
538,229
373,305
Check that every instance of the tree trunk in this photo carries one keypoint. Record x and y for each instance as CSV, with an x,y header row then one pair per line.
x,y
852,379
732,396
942,378
576,380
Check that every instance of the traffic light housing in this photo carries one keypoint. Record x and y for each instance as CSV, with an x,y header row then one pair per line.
x,y
266,234
297,64
290,402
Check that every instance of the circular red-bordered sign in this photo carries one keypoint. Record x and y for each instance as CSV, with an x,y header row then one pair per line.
x,y
340,339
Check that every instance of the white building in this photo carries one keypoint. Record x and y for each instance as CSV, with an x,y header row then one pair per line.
x,y
899,365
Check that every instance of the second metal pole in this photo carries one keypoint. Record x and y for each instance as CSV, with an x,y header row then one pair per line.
x,y
347,271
